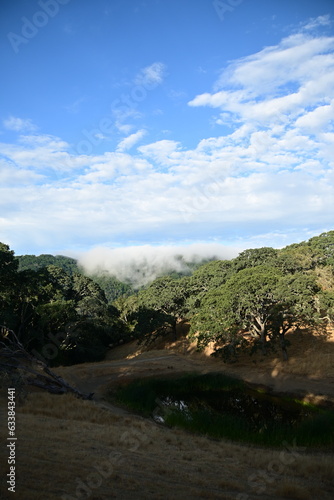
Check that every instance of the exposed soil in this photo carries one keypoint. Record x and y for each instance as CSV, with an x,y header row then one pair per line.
x,y
166,357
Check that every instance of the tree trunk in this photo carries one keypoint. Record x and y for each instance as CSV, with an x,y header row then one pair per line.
x,y
283,346
174,329
261,329
263,339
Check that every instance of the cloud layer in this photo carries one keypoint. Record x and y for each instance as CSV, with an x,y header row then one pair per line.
x,y
272,173
140,265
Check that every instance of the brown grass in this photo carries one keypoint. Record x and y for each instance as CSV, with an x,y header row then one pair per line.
x,y
64,442
311,353
293,490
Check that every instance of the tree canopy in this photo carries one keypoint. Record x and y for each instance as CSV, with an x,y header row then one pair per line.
x,y
57,312
257,298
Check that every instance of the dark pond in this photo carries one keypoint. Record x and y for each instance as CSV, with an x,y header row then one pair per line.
x,y
219,406
259,410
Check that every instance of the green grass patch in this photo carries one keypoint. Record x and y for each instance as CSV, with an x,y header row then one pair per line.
x,y
220,406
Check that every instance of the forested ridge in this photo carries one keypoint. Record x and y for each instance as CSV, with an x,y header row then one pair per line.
x,y
63,316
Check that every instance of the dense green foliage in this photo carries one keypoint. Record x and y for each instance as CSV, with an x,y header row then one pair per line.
x,y
58,314
261,294
256,298
112,287
35,263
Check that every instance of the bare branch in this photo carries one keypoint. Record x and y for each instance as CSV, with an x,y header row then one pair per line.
x,y
18,358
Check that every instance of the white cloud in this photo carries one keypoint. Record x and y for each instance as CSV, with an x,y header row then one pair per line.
x,y
317,22
317,119
100,136
124,128
41,152
115,166
19,124
142,264
277,84
273,174
127,106
75,106
131,140
162,152
11,176
152,75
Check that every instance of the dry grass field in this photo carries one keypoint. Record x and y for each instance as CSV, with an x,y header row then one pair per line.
x,y
73,449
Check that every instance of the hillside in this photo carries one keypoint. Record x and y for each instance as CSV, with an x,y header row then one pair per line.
x,y
253,300
267,315
112,287
100,451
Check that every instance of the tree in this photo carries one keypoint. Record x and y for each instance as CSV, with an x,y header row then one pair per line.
x,y
149,324
9,288
260,300
326,305
244,302
8,266
57,283
167,298
8,274
323,247
296,258
86,287
254,257
35,263
295,305
206,277
31,290
211,275
112,287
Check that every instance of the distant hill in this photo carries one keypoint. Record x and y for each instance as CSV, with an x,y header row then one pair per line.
x,y
37,262
112,287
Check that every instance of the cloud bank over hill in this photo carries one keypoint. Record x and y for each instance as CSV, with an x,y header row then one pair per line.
x,y
140,265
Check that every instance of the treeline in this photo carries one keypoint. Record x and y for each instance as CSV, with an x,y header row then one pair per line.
x,y
65,317
254,299
58,313
111,286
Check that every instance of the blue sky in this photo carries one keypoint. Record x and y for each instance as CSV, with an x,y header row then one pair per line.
x,y
152,124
